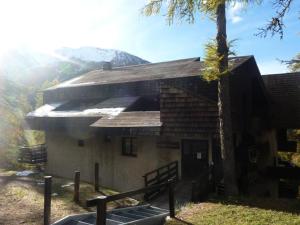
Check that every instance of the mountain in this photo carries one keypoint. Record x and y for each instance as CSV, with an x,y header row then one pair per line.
x,y
91,54
31,67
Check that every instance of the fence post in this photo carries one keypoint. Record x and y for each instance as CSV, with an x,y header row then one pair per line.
x,y
47,200
101,211
76,186
171,199
97,177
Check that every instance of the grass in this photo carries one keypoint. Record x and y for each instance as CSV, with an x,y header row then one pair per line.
x,y
239,212
21,202
21,198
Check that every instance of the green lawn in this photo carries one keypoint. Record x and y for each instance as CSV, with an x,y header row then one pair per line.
x,y
240,212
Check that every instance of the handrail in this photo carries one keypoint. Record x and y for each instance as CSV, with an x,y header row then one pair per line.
x,y
160,176
101,201
160,168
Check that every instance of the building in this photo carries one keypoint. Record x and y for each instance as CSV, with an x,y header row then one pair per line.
x,y
135,119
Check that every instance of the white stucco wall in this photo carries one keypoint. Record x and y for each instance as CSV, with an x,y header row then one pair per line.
x,y
119,172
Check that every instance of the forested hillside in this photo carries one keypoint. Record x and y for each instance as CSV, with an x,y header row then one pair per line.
x,y
14,103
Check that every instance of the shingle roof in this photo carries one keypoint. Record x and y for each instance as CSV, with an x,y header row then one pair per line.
x,y
284,90
152,71
130,120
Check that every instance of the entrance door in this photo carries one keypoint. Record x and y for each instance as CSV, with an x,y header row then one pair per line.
x,y
194,158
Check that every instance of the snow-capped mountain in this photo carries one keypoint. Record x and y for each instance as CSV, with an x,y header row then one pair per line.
x,y
27,66
91,54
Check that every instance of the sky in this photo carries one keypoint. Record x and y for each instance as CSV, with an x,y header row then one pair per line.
x,y
46,25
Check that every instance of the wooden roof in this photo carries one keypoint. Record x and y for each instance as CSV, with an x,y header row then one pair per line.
x,y
130,120
151,71
284,90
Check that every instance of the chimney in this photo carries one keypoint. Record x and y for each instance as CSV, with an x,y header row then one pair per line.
x,y
106,66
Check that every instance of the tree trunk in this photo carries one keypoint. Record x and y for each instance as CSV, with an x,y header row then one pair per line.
x,y
227,149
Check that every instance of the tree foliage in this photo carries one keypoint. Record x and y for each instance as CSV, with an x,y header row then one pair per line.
x,y
212,60
187,9
15,102
294,64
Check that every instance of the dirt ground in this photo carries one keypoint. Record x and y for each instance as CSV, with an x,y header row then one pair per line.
x,y
21,199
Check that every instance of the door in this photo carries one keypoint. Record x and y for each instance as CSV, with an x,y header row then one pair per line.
x,y
194,158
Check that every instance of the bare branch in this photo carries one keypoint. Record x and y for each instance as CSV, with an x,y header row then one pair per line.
x,y
276,24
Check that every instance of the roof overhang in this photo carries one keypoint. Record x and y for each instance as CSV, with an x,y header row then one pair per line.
x,y
137,119
64,112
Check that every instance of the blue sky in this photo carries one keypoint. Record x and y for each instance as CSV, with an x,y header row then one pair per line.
x,y
48,24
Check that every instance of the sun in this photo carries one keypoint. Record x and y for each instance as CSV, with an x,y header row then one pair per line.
x,y
32,23
45,25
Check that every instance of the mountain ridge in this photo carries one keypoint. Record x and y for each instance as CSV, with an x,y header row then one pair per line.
x,y
33,67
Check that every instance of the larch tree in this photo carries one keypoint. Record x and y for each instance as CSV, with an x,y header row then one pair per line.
x,y
216,61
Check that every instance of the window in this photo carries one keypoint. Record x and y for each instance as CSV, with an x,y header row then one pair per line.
x,y
129,146
80,143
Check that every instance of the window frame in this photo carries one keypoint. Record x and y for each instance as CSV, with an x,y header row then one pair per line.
x,y
132,152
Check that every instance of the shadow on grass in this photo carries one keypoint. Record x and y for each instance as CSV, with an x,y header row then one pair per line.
x,y
181,221
280,205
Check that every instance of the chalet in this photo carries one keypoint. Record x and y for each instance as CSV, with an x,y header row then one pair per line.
x,y
135,119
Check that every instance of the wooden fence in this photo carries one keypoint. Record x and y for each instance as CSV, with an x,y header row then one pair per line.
x,y
160,176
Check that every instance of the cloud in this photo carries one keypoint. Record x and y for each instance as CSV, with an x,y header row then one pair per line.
x,y
234,12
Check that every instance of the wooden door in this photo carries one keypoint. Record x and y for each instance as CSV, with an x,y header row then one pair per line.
x,y
194,158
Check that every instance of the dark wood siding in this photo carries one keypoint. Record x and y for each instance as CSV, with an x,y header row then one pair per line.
x,y
184,114
284,90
